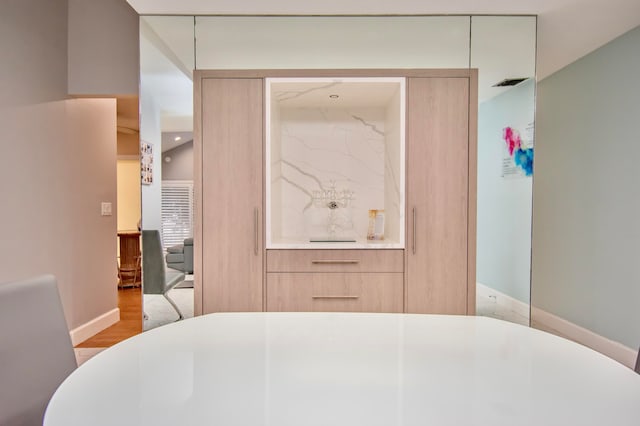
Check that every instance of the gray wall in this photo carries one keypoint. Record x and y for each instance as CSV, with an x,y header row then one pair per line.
x,y
57,164
504,204
103,47
181,165
586,223
33,44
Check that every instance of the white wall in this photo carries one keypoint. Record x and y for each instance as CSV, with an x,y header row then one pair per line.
x,y
150,132
586,204
504,204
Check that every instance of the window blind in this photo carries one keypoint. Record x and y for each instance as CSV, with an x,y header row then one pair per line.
x,y
177,211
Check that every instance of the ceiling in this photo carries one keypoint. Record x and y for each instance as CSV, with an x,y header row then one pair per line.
x,y
567,29
172,140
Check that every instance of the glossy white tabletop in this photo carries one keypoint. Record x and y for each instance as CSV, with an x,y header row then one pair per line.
x,y
286,369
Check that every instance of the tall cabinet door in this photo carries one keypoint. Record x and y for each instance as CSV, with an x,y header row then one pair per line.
x,y
231,173
437,195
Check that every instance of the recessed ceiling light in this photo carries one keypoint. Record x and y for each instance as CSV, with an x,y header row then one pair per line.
x,y
334,96
177,138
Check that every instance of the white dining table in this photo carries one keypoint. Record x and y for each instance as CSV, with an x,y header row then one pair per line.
x,y
336,369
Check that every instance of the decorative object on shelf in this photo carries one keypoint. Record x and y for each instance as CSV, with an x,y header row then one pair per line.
x,y
376,225
332,199
146,163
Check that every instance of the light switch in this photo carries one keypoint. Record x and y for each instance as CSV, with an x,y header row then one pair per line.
x,y
106,209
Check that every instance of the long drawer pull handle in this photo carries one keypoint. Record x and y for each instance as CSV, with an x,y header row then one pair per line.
x,y
336,261
335,297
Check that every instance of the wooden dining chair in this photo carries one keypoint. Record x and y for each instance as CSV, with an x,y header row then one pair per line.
x,y
130,275
35,349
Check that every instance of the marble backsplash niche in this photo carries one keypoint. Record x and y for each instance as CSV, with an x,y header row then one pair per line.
x,y
317,147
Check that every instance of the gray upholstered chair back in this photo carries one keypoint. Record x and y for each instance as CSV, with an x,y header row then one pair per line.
x,y
188,255
155,278
153,267
36,353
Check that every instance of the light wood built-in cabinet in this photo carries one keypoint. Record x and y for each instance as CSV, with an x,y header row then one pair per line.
x,y
335,292
429,268
438,195
335,280
229,231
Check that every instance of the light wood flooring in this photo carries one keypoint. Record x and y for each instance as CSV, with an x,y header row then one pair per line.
x,y
130,324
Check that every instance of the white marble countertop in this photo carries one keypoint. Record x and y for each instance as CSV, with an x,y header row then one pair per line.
x,y
320,245
337,369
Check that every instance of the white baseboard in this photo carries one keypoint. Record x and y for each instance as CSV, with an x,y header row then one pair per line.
x,y
95,326
509,302
610,348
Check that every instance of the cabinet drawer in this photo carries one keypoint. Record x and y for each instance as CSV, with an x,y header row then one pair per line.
x,y
335,292
335,260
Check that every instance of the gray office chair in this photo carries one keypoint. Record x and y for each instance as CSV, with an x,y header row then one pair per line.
x,y
36,353
156,278
638,363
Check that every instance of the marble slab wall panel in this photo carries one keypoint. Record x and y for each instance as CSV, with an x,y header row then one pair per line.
x,y
394,173
274,206
321,145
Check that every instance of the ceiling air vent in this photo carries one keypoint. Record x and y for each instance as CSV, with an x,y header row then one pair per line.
x,y
509,82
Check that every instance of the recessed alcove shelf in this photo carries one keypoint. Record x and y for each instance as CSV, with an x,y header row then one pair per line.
x,y
346,134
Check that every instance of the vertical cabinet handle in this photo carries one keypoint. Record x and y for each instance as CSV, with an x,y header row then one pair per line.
x,y
413,240
255,231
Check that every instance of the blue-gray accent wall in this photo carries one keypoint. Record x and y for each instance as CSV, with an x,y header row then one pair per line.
x,y
586,203
504,204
